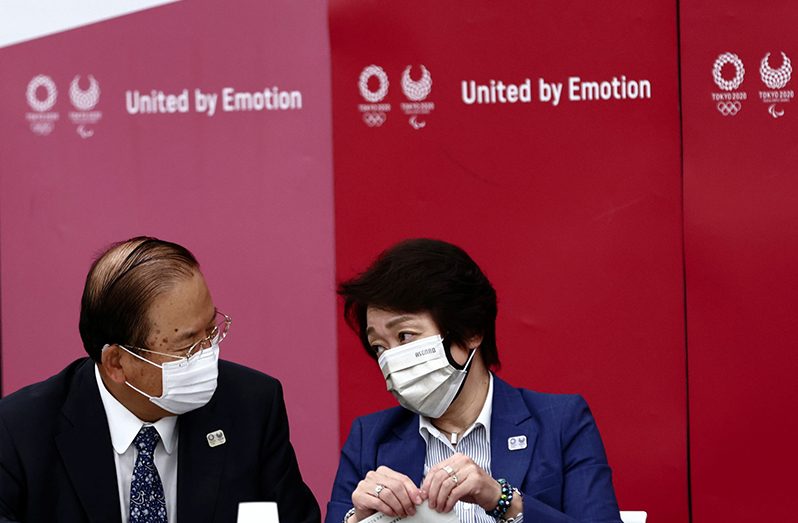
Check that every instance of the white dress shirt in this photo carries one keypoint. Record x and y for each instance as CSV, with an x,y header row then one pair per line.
x,y
474,443
124,426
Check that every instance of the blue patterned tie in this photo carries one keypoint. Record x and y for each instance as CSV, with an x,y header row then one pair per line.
x,y
147,502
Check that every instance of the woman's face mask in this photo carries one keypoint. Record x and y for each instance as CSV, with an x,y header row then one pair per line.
x,y
420,376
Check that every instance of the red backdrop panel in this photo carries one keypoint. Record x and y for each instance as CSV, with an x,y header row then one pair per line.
x,y
573,211
741,211
250,192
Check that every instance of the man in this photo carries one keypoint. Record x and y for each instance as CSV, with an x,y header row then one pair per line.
x,y
152,427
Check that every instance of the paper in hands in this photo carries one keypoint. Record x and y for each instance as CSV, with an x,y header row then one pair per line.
x,y
424,514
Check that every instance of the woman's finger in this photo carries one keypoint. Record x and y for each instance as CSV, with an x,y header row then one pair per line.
x,y
366,503
435,480
444,492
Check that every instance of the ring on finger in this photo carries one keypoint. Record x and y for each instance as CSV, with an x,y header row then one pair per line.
x,y
454,478
449,470
379,488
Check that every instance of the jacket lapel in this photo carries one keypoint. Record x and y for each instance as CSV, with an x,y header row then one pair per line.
x,y
84,443
199,465
510,418
512,434
404,452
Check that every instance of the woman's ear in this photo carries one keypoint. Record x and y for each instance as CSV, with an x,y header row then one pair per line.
x,y
474,342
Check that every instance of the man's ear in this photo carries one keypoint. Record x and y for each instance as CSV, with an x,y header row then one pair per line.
x,y
112,356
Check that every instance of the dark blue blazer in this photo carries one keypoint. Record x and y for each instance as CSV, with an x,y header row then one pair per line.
x,y
57,463
562,473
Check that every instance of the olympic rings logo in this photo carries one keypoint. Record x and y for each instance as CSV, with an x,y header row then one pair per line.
x,y
729,108
374,119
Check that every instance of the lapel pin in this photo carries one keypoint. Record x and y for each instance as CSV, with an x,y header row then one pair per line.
x,y
215,438
516,442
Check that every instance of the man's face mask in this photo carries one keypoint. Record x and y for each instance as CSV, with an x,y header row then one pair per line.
x,y
420,376
188,383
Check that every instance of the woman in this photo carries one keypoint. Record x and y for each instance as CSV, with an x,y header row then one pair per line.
x,y
462,439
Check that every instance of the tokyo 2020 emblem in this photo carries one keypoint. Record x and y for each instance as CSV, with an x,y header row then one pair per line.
x,y
416,90
729,101
363,84
84,100
776,81
739,71
375,112
41,119
85,117
775,78
34,101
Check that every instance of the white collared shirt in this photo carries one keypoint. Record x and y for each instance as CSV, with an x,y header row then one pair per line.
x,y
474,443
124,426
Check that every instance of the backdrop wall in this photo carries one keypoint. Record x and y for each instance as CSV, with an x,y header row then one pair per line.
x,y
248,187
641,239
741,211
571,205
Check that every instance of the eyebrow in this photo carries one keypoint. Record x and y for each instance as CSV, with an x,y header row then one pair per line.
x,y
189,335
392,323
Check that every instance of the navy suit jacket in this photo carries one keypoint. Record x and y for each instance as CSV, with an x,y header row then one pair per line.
x,y
562,473
57,462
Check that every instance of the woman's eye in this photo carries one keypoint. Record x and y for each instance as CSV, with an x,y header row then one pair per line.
x,y
404,337
378,349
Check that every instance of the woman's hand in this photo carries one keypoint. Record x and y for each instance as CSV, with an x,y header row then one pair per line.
x,y
459,479
387,491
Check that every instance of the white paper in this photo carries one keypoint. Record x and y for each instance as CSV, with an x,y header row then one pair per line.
x,y
633,516
424,514
257,512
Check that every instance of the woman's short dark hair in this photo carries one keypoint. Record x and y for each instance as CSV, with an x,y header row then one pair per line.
x,y
424,275
121,286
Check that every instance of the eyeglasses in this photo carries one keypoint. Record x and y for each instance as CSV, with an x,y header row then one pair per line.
x,y
216,334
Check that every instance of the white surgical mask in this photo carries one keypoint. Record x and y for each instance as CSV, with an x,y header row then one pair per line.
x,y
420,376
188,384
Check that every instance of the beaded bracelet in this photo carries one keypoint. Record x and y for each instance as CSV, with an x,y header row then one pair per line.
x,y
505,499
349,515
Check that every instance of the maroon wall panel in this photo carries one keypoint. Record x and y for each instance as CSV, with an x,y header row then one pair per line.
x,y
573,210
741,231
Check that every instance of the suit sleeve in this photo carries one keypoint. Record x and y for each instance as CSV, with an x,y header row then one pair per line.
x,y
587,492
348,476
11,488
281,477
